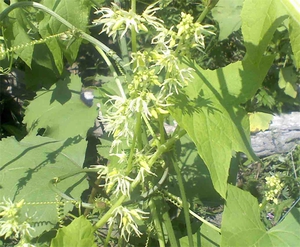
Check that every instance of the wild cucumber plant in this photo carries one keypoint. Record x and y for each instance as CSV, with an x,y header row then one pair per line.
x,y
149,169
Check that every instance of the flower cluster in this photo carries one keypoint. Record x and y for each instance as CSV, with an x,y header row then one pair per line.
x,y
190,32
10,223
274,187
127,218
156,76
115,19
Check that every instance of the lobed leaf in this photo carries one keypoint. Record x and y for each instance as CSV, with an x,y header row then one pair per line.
x,y
241,223
80,233
27,167
60,111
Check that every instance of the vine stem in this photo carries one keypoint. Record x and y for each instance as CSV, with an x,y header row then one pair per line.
x,y
210,5
184,201
133,34
135,138
112,69
83,35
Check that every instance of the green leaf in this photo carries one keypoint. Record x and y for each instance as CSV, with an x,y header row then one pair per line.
x,y
294,33
287,81
259,121
77,14
293,8
80,233
260,19
27,167
213,120
195,174
227,14
241,224
60,111
204,237
15,32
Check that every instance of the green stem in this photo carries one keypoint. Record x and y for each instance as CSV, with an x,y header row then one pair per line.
x,y
184,201
56,180
205,221
209,6
157,223
136,138
170,230
166,146
113,71
133,33
108,214
161,129
108,235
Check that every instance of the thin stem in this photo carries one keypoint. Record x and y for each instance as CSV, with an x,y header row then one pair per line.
x,y
136,138
170,230
92,196
56,180
184,201
161,129
108,214
166,146
203,14
133,34
205,221
112,69
210,5
157,223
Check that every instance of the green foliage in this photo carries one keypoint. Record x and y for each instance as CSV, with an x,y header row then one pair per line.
x,y
29,165
205,237
294,33
142,178
55,111
241,223
79,233
228,14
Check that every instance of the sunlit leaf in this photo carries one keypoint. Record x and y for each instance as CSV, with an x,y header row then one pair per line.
x,y
80,233
241,224
259,121
26,169
60,111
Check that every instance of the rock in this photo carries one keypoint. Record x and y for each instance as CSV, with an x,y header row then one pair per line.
x,y
281,137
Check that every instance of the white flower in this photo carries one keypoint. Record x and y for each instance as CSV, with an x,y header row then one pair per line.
x,y
128,218
115,18
122,183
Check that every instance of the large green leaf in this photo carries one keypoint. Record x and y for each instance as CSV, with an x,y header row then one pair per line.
x,y
211,115
228,14
80,233
241,224
26,168
60,111
217,126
